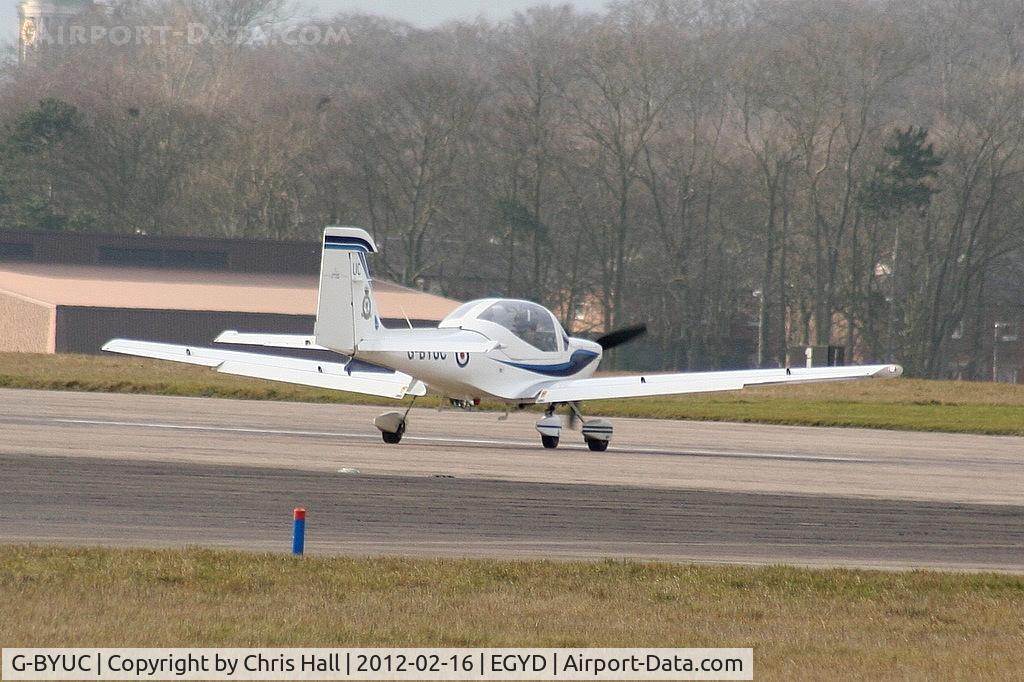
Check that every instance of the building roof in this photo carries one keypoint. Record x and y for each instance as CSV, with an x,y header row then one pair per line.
x,y
160,288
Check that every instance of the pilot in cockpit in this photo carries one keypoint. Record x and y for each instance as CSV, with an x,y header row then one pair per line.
x,y
527,326
500,314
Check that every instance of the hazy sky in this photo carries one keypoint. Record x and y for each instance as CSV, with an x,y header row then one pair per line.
x,y
430,12
419,12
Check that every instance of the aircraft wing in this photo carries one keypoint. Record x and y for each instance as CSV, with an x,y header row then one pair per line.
x,y
639,385
333,375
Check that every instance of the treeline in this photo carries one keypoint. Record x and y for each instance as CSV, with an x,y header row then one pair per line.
x,y
799,172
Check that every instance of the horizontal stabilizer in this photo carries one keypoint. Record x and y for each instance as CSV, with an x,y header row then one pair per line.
x,y
400,344
330,375
640,385
306,341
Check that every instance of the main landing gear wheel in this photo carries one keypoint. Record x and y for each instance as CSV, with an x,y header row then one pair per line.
x,y
392,426
597,445
549,428
393,437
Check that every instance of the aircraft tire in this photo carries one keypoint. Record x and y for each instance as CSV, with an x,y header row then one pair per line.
x,y
597,445
393,437
550,442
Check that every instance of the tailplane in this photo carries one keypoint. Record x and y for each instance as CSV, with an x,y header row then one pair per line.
x,y
346,310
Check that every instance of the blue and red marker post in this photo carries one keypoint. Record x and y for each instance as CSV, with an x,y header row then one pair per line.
x,y
298,531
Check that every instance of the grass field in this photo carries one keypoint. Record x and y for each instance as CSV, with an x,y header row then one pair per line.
x,y
802,623
893,404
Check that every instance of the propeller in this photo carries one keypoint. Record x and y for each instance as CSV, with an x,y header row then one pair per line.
x,y
621,336
607,342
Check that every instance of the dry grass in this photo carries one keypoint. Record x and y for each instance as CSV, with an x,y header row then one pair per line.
x,y
901,404
802,623
908,391
905,404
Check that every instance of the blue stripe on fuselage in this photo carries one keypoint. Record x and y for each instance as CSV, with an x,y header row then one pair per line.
x,y
577,361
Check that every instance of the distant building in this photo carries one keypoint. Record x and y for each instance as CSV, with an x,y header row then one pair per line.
x,y
70,293
44,23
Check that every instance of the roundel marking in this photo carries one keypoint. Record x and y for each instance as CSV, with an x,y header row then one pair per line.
x,y
367,305
462,359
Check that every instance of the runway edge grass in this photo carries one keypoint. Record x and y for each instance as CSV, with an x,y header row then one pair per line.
x,y
903,404
801,623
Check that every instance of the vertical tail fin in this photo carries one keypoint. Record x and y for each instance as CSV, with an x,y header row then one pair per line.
x,y
346,310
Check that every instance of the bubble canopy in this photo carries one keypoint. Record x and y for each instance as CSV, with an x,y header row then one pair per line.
x,y
530,322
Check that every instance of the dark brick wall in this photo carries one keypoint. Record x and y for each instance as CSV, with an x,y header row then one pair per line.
x,y
86,329
83,329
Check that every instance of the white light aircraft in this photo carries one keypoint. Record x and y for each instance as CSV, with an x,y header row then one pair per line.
x,y
507,350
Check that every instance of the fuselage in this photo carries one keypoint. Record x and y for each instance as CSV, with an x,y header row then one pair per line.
x,y
533,350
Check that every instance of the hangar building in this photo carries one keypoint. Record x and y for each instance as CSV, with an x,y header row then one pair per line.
x,y
70,293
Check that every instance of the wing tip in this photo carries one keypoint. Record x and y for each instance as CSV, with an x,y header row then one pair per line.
x,y
889,372
112,345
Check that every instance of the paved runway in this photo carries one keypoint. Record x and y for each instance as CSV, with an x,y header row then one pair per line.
x,y
146,470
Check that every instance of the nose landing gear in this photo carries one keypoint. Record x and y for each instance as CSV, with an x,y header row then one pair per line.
x,y
597,433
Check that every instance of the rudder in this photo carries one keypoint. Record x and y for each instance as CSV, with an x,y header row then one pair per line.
x,y
346,310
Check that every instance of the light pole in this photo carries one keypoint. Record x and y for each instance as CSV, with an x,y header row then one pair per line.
x,y
891,351
995,348
759,295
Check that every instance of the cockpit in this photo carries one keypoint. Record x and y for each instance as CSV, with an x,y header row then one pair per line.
x,y
530,322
